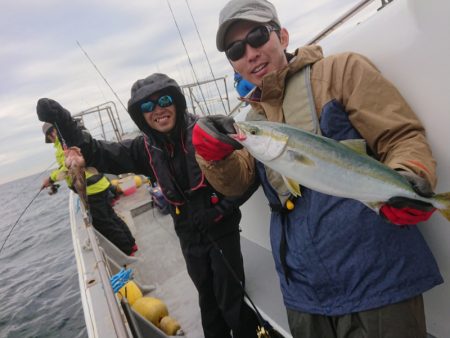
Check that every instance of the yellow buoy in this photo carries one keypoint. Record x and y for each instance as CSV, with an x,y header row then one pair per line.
x,y
131,291
138,181
151,308
169,326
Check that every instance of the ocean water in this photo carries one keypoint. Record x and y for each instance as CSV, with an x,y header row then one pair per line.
x,y
38,278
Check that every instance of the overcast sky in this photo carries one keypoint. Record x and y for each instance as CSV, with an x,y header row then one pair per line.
x,y
127,40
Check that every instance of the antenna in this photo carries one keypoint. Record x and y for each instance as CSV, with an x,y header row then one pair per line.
x,y
101,75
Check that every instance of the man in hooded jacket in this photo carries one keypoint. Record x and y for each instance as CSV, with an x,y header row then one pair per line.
x,y
207,223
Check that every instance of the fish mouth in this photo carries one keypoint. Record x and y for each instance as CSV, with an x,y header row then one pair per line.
x,y
240,135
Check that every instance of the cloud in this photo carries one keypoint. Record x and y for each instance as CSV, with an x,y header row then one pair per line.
x,y
126,41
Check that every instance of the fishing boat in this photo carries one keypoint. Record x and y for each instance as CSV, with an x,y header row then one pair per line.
x,y
406,40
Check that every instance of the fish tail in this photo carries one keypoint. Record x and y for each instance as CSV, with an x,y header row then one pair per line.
x,y
444,199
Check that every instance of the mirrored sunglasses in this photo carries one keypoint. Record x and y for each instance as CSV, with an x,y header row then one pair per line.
x,y
257,37
149,106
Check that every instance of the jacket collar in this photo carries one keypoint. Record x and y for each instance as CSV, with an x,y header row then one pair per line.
x,y
270,97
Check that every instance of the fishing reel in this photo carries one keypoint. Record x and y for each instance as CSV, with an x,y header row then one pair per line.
x,y
268,332
261,332
53,188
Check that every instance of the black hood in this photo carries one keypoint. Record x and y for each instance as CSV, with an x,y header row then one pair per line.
x,y
141,91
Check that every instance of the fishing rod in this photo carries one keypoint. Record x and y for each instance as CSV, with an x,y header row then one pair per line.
x,y
189,58
265,330
101,75
23,212
18,219
206,55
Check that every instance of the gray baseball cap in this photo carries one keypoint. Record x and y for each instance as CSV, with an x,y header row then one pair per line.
x,y
46,127
260,11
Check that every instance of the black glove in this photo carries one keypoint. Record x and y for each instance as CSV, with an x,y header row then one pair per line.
x,y
421,186
206,218
49,110
402,210
210,137
69,132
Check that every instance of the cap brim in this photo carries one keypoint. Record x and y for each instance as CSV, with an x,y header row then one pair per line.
x,y
222,31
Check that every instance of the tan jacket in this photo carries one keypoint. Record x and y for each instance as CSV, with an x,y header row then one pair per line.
x,y
375,107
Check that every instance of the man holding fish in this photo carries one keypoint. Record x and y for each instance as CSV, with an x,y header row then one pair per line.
x,y
344,269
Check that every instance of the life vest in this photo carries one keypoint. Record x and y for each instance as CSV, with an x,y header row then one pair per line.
x,y
199,193
298,110
159,164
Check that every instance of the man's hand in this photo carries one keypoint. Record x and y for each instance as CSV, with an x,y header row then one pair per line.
x,y
206,218
46,182
401,210
49,110
210,137
74,158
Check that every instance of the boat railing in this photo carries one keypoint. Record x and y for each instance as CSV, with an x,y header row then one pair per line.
x,y
206,98
344,18
102,121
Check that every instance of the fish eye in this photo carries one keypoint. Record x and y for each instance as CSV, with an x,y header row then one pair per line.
x,y
253,131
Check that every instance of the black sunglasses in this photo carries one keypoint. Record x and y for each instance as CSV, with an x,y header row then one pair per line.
x,y
49,131
163,101
257,37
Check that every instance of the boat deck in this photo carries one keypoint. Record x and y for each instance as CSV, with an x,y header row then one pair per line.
x,y
160,271
161,263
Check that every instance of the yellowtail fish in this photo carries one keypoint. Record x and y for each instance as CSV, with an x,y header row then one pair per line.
x,y
76,170
328,166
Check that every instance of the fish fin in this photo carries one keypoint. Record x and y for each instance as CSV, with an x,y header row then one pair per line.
x,y
293,186
357,145
305,160
444,198
375,206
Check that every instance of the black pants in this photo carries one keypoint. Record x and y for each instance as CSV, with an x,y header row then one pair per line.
x,y
108,223
400,320
221,297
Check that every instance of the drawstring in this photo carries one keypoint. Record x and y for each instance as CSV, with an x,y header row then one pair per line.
x,y
283,248
283,211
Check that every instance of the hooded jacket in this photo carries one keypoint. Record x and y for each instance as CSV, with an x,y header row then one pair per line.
x,y
168,159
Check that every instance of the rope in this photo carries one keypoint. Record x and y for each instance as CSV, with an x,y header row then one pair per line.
x,y
120,279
